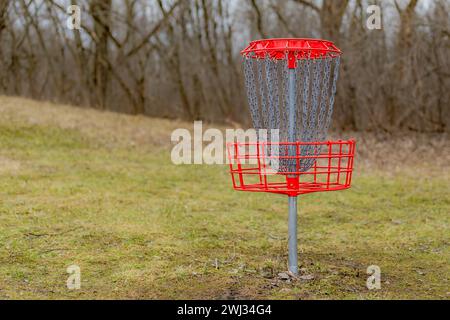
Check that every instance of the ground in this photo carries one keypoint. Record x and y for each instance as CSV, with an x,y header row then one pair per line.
x,y
98,190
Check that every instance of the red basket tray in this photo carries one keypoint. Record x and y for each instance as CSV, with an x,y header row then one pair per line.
x,y
291,168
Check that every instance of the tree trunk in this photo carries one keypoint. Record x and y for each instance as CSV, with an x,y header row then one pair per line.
x,y
101,13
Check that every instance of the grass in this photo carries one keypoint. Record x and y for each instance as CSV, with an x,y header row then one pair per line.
x,y
106,197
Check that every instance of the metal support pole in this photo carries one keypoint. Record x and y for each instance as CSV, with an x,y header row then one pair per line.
x,y
292,223
292,229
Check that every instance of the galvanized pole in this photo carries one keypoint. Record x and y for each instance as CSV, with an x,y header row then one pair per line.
x,y
292,220
292,226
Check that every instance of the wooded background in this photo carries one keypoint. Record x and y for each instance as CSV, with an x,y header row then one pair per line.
x,y
180,58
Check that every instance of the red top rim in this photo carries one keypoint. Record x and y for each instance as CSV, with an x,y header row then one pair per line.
x,y
300,48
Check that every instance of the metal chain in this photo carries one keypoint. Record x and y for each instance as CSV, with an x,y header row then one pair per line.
x,y
262,90
270,91
303,135
312,127
324,99
306,71
284,127
251,93
333,92
269,78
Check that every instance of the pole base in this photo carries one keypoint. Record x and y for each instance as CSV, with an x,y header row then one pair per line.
x,y
293,270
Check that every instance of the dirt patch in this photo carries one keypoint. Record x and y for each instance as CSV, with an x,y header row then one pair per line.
x,y
9,166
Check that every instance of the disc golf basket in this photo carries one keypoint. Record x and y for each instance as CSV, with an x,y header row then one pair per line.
x,y
291,84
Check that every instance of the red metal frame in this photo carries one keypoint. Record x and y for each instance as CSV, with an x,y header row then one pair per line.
x,y
291,49
332,168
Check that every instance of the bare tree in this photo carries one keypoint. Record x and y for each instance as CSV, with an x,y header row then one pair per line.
x,y
101,14
180,58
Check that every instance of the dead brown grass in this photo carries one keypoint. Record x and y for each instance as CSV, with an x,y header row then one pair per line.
x,y
105,125
404,151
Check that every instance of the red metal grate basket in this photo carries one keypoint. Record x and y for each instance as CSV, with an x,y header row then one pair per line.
x,y
313,166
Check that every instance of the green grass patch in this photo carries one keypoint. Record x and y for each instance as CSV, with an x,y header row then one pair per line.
x,y
140,227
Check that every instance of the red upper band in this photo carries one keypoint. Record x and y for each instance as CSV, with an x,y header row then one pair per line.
x,y
290,48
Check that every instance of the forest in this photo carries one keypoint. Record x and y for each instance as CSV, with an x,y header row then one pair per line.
x,y
181,58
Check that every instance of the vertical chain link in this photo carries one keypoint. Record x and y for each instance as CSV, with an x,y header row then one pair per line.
x,y
262,86
337,62
306,72
321,133
250,83
312,127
